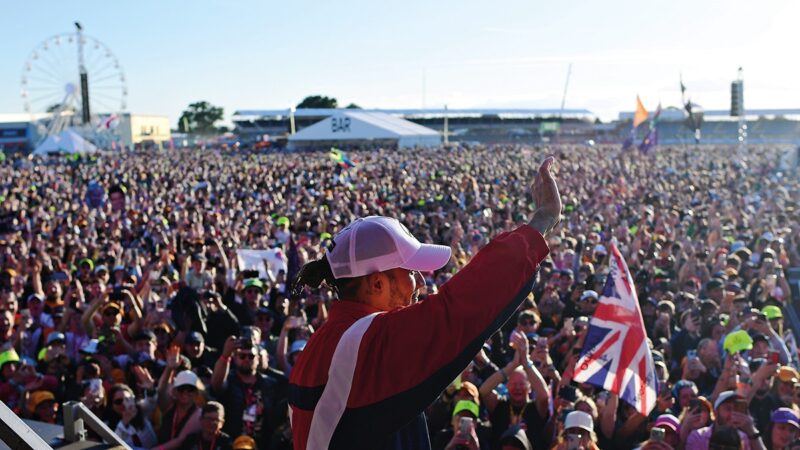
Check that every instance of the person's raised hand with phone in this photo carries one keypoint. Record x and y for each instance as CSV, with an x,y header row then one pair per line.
x,y
692,420
231,344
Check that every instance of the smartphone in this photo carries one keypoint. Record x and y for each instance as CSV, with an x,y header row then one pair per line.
x,y
740,406
691,354
774,357
693,404
154,275
95,387
59,276
464,426
247,335
247,274
573,441
657,434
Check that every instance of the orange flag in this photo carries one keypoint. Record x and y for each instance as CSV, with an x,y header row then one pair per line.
x,y
641,113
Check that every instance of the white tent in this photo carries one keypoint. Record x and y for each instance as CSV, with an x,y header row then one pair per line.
x,y
67,141
355,126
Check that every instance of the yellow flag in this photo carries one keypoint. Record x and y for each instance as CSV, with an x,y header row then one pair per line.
x,y
641,113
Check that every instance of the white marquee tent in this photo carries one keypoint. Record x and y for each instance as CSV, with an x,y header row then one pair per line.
x,y
359,126
67,141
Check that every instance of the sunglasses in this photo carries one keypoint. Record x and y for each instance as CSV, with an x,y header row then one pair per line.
x,y
119,401
526,323
111,312
245,355
186,389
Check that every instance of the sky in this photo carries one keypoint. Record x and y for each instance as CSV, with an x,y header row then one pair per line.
x,y
242,54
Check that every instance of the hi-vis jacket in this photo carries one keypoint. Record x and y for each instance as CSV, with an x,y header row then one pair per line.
x,y
365,376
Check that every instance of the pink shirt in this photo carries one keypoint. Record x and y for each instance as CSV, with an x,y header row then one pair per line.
x,y
699,439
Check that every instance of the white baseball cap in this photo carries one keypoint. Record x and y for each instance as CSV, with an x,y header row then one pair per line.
x,y
375,243
579,419
187,378
724,397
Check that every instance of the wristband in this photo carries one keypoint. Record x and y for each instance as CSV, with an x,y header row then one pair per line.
x,y
528,364
754,436
227,359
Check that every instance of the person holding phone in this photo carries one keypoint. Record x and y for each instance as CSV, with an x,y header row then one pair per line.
x,y
578,433
250,397
730,410
127,419
368,373
465,430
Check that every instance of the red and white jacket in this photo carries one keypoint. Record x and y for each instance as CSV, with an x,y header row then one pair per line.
x,y
389,366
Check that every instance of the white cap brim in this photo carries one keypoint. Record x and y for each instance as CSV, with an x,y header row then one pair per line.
x,y
428,257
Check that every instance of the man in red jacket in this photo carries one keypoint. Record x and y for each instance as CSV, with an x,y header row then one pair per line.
x,y
367,374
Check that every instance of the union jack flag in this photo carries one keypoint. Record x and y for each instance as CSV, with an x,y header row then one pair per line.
x,y
615,354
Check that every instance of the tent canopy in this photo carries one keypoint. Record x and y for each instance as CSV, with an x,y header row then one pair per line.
x,y
365,126
67,141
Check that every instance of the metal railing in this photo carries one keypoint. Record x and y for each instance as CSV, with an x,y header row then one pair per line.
x,y
76,414
18,435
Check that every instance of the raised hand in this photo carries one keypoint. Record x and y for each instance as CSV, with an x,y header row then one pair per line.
x,y
548,200
173,357
143,378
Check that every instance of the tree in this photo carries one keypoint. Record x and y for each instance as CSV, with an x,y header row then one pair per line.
x,y
200,117
318,101
352,106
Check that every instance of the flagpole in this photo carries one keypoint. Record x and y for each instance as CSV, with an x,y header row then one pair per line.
x,y
446,131
742,119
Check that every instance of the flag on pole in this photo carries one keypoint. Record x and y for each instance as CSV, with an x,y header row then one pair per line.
x,y
340,157
638,118
651,139
615,354
641,113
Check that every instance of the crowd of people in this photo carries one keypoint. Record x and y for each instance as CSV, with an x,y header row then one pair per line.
x,y
122,287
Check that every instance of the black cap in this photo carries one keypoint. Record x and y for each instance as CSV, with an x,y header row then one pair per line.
x,y
568,393
263,308
715,283
145,335
708,304
194,337
759,337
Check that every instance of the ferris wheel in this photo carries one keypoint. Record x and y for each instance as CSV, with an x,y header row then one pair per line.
x,y
73,80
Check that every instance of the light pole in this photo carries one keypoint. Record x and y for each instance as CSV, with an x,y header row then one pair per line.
x,y
85,113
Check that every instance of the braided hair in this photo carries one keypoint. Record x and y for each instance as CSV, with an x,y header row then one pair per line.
x,y
315,273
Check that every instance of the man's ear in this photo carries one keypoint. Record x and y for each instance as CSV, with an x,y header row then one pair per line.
x,y
376,283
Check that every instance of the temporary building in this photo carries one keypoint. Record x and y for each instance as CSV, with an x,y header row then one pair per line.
x,y
357,127
68,142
